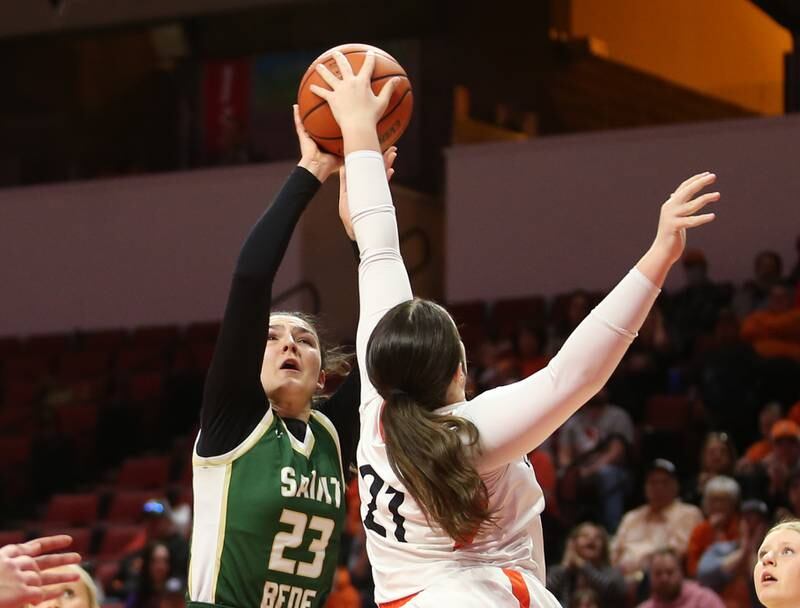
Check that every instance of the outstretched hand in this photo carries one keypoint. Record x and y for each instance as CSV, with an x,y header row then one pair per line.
x,y
25,570
320,164
678,214
344,208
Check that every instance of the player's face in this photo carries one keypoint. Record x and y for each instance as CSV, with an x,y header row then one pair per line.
x,y
72,595
292,360
777,572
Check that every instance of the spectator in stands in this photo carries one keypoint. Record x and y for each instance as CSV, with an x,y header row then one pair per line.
x,y
721,507
152,583
794,413
693,310
159,527
727,384
360,570
497,366
576,309
593,449
81,593
768,478
664,521
529,346
792,508
585,598
727,565
643,371
19,564
794,275
774,330
586,565
670,590
769,415
343,594
717,457
777,573
753,295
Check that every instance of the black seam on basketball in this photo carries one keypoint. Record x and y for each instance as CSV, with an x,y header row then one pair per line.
x,y
323,102
385,114
385,55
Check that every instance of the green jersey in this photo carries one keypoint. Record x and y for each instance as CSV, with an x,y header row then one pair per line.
x,y
268,518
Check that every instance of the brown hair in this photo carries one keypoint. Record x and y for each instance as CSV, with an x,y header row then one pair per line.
x,y
412,356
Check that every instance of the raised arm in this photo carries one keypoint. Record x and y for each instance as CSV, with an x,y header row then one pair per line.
x,y
513,420
382,277
233,398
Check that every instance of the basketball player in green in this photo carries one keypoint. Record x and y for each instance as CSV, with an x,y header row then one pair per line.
x,y
269,470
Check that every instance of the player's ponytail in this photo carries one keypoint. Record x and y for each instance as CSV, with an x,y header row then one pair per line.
x,y
412,357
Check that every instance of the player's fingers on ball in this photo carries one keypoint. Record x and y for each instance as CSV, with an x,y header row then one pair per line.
x,y
320,91
329,77
368,66
345,69
389,174
695,205
697,220
387,90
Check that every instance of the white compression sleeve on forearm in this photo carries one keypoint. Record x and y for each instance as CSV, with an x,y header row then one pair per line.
x,y
382,278
515,419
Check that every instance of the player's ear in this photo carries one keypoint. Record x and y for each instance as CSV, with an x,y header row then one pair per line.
x,y
321,380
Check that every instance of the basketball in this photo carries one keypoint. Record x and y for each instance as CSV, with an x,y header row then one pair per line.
x,y
317,117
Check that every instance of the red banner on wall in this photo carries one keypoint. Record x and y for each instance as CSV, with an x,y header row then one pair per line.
x,y
226,107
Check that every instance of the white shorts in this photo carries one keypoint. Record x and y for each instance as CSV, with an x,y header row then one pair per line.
x,y
482,587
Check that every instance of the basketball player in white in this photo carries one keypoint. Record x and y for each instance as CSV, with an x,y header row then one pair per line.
x,y
450,504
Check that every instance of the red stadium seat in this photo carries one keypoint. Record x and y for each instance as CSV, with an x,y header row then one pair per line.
x,y
151,472
9,346
468,313
27,366
202,332
20,391
146,386
126,507
84,364
72,509
672,413
509,314
140,359
14,451
81,538
117,540
155,337
107,340
104,573
18,419
49,344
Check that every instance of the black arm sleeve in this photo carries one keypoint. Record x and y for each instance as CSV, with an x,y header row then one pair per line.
x,y
233,399
342,410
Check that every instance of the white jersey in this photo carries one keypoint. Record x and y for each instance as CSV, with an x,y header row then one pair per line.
x,y
407,554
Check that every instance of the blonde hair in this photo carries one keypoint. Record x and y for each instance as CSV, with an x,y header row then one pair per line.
x,y
786,524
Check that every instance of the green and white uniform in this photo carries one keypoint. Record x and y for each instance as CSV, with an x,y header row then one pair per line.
x,y
289,549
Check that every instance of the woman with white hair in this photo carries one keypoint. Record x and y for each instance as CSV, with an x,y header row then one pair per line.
x,y
777,571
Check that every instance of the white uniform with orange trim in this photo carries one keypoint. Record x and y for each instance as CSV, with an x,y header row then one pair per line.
x,y
504,565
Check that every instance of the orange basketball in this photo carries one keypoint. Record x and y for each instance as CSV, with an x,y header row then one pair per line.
x,y
317,117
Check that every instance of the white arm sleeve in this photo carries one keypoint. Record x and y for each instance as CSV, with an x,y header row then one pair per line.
x,y
514,419
382,277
